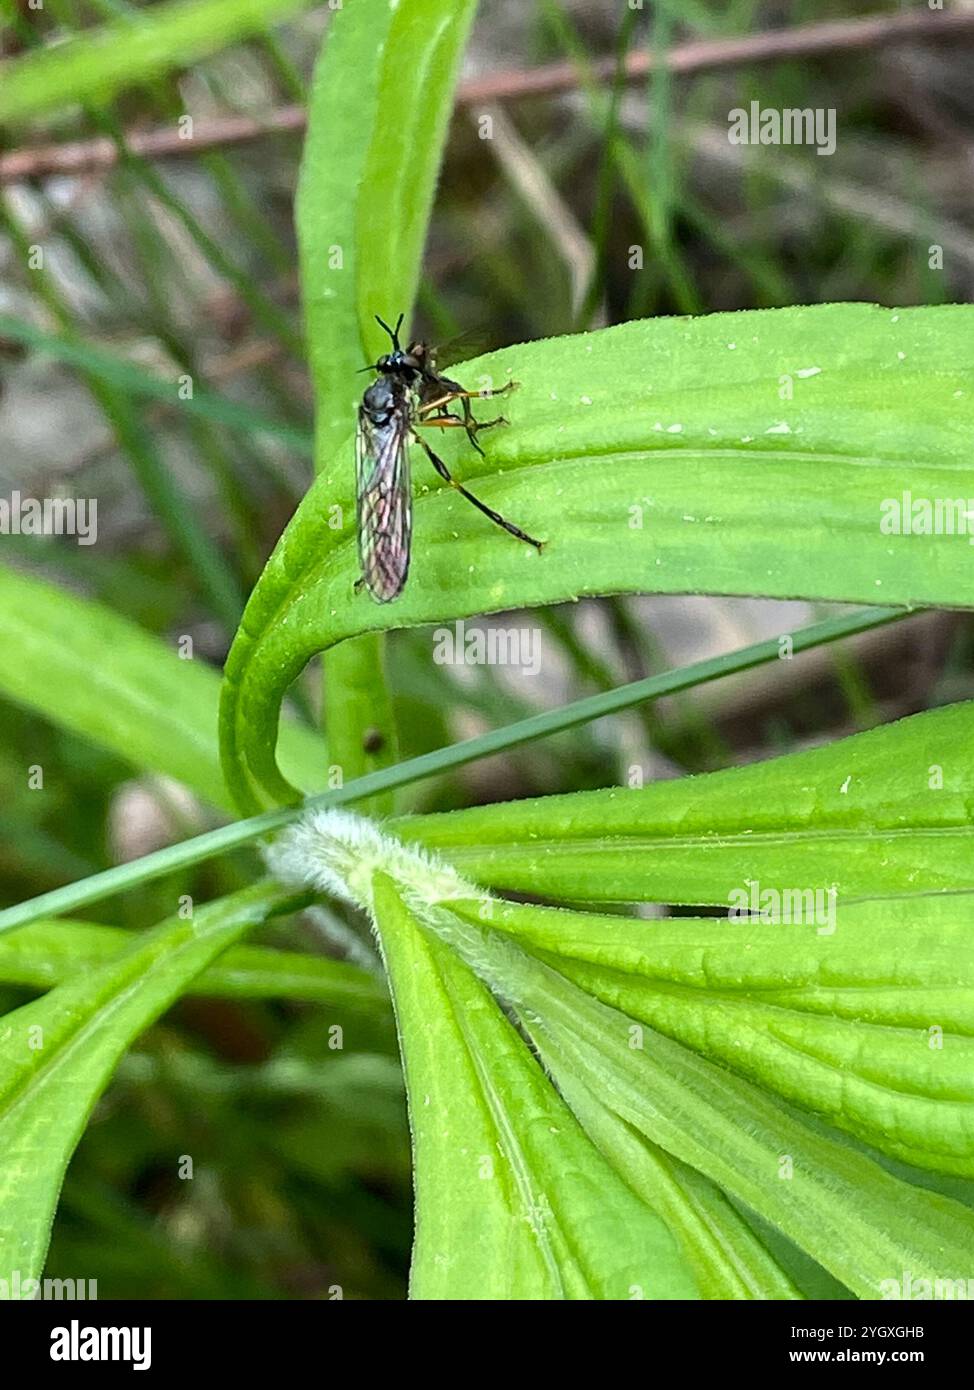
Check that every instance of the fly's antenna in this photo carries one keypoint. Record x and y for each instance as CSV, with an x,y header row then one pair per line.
x,y
393,332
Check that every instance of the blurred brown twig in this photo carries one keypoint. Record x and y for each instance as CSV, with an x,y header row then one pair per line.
x,y
699,55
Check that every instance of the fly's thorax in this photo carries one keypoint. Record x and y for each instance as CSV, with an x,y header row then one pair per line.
x,y
422,356
384,399
433,388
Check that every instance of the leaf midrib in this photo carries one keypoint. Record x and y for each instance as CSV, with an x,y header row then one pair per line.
x,y
644,842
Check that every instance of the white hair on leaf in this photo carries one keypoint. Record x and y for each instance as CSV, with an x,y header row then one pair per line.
x,y
339,853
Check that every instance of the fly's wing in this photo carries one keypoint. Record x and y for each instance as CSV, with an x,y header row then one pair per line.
x,y
435,389
384,504
472,342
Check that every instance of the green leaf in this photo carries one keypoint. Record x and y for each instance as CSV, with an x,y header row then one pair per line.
x,y
838,1205
651,457
866,1018
883,812
726,1256
851,1216
379,109
97,63
421,64
58,1053
512,1201
46,954
380,106
91,671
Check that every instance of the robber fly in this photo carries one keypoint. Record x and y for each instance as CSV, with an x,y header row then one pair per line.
x,y
409,392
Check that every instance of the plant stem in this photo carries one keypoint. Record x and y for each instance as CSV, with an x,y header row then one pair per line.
x,y
213,842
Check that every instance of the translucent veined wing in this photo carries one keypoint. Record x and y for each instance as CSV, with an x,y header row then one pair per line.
x,y
384,501
472,342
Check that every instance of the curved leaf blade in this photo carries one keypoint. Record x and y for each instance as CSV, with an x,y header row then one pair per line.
x,y
89,670
885,812
650,457
58,1053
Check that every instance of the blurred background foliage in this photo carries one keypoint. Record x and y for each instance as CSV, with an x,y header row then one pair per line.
x,y
166,258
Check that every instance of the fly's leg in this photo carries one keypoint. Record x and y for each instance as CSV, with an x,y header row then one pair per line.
x,y
471,424
496,517
448,421
452,392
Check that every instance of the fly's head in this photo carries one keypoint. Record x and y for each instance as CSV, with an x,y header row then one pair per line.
x,y
406,363
409,365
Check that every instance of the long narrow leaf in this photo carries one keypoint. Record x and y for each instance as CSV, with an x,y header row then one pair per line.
x,y
97,63
57,1055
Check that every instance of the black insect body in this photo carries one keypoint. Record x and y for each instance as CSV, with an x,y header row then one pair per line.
x,y
384,502
409,393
